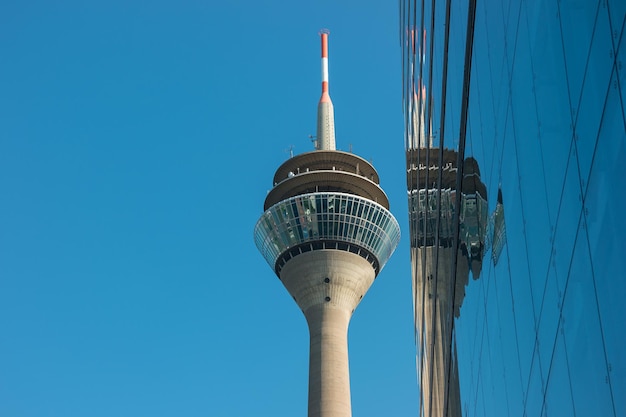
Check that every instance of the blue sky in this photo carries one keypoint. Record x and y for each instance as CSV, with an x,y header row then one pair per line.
x,y
137,143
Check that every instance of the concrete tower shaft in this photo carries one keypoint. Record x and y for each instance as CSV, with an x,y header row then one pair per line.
x,y
328,285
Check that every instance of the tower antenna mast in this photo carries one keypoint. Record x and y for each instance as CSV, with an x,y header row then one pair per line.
x,y
325,110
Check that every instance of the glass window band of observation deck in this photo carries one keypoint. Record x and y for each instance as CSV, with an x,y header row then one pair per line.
x,y
333,217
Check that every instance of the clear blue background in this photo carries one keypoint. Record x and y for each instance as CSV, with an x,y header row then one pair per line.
x,y
137,143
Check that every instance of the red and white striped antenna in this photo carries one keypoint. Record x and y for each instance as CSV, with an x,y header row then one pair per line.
x,y
325,110
324,35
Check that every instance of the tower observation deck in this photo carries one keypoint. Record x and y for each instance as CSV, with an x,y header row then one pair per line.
x,y
327,232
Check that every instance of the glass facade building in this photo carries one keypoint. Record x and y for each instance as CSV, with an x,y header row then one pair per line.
x,y
534,92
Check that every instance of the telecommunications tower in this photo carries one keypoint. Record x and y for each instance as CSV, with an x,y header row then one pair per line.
x,y
327,232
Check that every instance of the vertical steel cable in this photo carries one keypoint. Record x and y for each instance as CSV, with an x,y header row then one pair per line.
x,y
427,136
408,38
417,158
467,72
444,87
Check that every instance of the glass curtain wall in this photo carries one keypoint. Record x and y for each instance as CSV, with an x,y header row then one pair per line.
x,y
540,329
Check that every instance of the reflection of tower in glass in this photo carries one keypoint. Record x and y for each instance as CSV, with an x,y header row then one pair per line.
x,y
327,232
438,289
